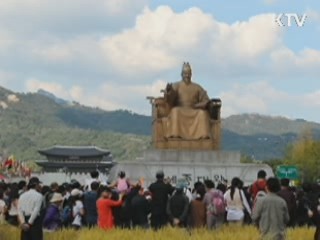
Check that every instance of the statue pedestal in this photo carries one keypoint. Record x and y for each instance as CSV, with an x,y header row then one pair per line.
x,y
195,166
196,157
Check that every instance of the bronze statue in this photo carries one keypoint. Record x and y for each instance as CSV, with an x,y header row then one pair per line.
x,y
185,117
189,118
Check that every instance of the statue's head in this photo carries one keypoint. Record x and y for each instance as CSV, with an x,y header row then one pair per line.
x,y
186,72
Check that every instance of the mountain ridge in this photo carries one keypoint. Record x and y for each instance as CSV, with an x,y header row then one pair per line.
x,y
33,121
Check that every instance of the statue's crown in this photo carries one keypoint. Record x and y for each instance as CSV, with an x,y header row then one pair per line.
x,y
186,67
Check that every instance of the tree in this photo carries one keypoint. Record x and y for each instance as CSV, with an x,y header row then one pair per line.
x,y
305,154
274,163
246,159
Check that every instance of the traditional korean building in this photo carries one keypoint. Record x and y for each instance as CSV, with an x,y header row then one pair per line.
x,y
75,159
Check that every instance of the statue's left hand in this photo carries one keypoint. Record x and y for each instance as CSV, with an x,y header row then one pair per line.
x,y
198,105
202,105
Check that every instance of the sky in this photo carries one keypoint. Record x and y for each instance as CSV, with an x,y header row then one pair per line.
x,y
112,54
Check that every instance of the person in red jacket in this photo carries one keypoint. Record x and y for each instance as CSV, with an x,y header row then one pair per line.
x,y
104,208
259,185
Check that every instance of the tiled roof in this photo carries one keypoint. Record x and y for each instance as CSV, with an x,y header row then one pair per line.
x,y
76,151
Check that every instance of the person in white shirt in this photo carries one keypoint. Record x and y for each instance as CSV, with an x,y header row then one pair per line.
x,y
3,208
77,208
94,178
29,207
236,202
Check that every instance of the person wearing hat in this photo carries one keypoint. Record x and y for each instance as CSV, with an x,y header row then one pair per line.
x,y
178,206
29,207
77,208
52,219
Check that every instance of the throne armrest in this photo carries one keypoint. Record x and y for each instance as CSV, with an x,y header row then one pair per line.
x,y
160,107
214,108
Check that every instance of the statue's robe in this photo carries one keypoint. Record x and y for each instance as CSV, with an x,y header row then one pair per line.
x,y
185,121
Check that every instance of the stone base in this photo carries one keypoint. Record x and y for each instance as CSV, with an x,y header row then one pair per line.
x,y
219,166
191,156
187,145
161,111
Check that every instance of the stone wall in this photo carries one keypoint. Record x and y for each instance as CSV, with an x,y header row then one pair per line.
x,y
220,166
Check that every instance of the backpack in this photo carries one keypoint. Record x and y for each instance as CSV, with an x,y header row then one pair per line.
x,y
218,206
255,188
260,194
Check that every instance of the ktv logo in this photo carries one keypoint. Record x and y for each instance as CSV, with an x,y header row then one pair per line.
x,y
287,19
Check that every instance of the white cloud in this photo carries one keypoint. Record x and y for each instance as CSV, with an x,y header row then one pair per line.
x,y
247,39
159,42
313,15
6,41
105,104
162,39
67,17
142,48
77,93
109,96
257,97
116,7
80,55
123,50
131,97
144,90
5,77
306,62
263,98
54,53
99,98
57,89
312,99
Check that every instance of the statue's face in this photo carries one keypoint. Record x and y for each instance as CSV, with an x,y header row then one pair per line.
x,y
186,76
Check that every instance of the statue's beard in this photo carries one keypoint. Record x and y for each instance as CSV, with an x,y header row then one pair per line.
x,y
187,80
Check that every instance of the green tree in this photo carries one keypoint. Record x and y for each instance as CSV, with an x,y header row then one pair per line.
x,y
246,158
274,163
305,154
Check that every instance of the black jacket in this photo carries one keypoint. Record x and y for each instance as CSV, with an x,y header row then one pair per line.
x,y
160,192
140,209
178,207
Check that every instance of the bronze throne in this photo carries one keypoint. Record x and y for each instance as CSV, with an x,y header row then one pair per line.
x,y
161,110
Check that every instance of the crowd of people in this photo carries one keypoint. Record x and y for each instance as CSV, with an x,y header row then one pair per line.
x,y
270,204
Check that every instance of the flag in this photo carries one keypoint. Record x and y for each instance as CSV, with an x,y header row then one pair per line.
x,y
8,164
